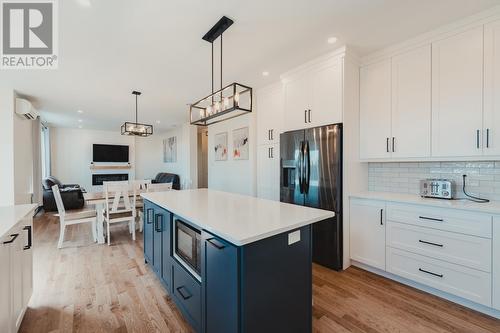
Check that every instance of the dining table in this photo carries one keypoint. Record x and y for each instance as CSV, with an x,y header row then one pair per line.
x,y
98,199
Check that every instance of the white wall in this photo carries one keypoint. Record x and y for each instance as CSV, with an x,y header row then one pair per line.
x,y
7,146
23,160
238,176
149,155
71,153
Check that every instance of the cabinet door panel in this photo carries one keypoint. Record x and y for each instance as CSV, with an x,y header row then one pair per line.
x,y
268,182
457,94
411,104
159,221
166,272
5,286
297,96
16,261
375,110
148,231
269,115
326,95
368,232
27,261
221,285
492,89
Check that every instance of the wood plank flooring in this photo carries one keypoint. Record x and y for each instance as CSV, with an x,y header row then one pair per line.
x,y
86,287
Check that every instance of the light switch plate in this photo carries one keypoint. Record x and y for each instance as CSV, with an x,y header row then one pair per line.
x,y
294,237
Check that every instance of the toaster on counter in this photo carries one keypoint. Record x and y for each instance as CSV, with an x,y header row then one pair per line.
x,y
437,188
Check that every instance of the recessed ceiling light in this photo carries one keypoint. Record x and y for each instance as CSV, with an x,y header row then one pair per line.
x,y
79,120
84,3
79,111
265,73
332,40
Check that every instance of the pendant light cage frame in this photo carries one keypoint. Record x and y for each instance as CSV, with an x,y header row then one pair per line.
x,y
136,128
228,102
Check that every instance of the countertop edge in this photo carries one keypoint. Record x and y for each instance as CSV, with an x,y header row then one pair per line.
x,y
244,241
492,207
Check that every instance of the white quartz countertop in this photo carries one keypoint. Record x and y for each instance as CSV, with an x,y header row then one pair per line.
x,y
236,218
492,207
11,215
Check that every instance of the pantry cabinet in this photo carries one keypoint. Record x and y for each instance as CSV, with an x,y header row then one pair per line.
x,y
491,131
268,168
375,111
457,94
269,114
367,234
313,97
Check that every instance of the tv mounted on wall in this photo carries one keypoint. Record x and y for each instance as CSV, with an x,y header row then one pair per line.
x,y
110,153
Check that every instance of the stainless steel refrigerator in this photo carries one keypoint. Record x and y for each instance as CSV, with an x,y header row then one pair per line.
x,y
311,175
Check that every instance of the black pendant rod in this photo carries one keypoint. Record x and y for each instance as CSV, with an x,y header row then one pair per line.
x,y
221,69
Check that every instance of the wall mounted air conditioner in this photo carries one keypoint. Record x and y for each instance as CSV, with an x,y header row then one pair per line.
x,y
25,109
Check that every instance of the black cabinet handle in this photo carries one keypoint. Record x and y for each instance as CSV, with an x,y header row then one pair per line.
x,y
477,139
309,112
269,134
30,240
149,215
185,296
272,134
487,138
268,152
272,152
305,116
430,243
430,218
14,236
158,223
215,243
381,217
393,144
431,273
387,144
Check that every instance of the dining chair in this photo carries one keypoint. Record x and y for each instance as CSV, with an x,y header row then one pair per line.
x,y
160,187
120,206
71,218
140,185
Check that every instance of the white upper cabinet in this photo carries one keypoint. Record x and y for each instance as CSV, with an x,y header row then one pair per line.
x,y
268,170
313,97
457,95
411,104
297,97
491,132
269,114
326,95
375,111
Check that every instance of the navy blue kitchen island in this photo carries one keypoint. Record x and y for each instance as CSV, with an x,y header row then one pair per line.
x,y
232,263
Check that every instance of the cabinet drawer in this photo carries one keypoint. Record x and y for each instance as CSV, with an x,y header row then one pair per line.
x,y
470,251
468,223
461,281
187,292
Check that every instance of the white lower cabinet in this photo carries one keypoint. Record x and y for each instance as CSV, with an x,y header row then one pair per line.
x,y
496,262
458,280
16,282
451,250
367,236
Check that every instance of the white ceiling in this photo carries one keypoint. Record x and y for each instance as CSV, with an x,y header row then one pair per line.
x,y
110,47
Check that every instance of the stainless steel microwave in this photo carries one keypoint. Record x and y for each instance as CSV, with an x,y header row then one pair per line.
x,y
187,246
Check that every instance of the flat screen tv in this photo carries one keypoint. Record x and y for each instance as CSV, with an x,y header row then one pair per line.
x,y
109,153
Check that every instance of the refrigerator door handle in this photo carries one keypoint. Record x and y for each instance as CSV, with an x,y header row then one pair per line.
x,y
300,166
307,167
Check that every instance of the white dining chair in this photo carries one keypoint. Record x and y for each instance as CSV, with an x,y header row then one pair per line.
x,y
161,187
140,185
66,219
120,206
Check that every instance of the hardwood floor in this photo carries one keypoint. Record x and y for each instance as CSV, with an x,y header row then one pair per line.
x,y
86,287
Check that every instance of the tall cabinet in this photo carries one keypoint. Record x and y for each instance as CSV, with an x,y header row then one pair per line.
x,y
269,126
491,131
